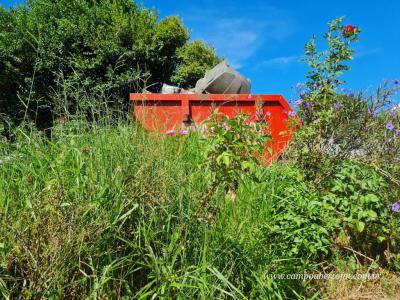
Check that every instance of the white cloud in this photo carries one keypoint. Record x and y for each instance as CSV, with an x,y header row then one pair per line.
x,y
281,61
367,52
238,35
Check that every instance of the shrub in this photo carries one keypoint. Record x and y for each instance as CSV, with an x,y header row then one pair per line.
x,y
233,146
299,225
276,225
349,145
195,58
360,199
337,126
111,47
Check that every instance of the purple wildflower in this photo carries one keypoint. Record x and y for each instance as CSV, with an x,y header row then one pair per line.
x,y
171,132
351,95
307,104
184,132
343,90
396,82
338,106
292,114
298,102
393,113
303,94
389,126
396,207
299,85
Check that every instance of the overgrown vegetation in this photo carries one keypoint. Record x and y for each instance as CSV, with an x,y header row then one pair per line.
x,y
98,208
105,47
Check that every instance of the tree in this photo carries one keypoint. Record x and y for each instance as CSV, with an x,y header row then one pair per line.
x,y
194,58
111,47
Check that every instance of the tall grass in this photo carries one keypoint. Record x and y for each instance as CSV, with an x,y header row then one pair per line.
x,y
102,209
113,211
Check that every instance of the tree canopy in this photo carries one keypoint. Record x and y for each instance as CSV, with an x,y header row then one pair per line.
x,y
194,59
112,46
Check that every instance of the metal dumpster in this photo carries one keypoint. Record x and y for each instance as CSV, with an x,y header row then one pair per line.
x,y
162,112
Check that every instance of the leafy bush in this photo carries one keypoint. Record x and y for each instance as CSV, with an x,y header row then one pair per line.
x,y
300,225
337,126
361,201
107,47
233,146
195,58
353,138
276,225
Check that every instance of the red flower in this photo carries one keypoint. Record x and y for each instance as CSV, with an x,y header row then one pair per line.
x,y
349,30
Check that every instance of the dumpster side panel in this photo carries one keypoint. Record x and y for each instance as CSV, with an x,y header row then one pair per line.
x,y
201,110
158,112
162,112
276,115
159,116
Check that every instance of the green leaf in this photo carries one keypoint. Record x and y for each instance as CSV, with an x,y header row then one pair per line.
x,y
381,239
371,198
247,165
225,158
360,226
372,214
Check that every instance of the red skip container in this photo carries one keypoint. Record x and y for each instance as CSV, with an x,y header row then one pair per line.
x,y
161,112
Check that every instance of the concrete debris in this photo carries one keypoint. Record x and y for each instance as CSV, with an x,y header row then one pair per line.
x,y
223,79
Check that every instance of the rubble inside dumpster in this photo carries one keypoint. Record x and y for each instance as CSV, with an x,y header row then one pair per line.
x,y
222,79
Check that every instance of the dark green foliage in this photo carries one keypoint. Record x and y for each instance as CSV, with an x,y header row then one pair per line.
x,y
10,67
107,47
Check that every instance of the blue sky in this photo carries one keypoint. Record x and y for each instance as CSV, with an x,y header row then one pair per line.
x,y
265,39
